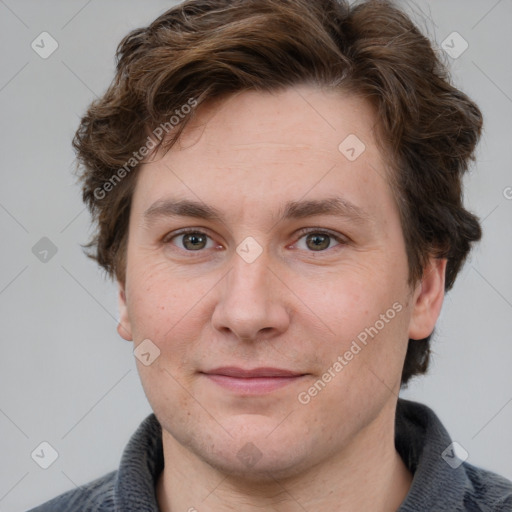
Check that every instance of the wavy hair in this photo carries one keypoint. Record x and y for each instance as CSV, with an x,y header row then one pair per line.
x,y
205,49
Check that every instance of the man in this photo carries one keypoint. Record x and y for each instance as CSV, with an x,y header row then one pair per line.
x,y
277,190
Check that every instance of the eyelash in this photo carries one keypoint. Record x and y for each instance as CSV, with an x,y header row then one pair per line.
x,y
303,232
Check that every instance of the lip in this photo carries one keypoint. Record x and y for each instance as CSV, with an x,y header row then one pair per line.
x,y
252,381
240,373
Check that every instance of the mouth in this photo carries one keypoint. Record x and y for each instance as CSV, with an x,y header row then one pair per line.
x,y
254,381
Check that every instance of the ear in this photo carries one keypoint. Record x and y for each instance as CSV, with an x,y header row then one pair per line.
x,y
124,326
428,299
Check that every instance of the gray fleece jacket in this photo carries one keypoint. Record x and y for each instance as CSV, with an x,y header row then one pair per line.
x,y
441,482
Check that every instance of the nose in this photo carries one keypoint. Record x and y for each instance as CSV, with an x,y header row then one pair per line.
x,y
252,303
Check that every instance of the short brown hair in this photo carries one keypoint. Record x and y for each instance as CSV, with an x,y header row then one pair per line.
x,y
206,49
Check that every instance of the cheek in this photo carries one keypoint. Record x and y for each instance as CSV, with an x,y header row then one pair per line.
x,y
351,299
366,318
160,301
171,312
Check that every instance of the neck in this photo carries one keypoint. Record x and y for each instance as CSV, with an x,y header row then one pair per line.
x,y
367,475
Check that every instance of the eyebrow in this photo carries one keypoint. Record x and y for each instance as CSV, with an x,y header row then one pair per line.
x,y
334,206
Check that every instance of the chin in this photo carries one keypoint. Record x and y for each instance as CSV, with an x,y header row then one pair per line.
x,y
263,469
256,456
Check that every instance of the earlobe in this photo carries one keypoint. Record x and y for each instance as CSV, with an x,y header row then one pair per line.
x,y
428,299
123,327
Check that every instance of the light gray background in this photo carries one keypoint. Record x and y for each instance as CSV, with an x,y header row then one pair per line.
x,y
66,376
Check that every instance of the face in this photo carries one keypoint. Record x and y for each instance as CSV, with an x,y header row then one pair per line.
x,y
266,263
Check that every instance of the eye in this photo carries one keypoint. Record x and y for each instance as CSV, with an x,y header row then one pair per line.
x,y
318,241
190,240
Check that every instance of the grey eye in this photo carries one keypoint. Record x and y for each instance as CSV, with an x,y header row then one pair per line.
x,y
191,241
316,241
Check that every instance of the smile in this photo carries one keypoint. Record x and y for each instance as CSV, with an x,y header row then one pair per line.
x,y
252,382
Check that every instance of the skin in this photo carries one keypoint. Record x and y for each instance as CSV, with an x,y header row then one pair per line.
x,y
295,307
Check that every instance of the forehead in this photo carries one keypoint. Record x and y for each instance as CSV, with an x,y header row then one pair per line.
x,y
262,146
294,119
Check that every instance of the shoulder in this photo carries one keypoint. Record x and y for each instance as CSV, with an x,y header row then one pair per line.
x,y
129,488
95,496
442,480
487,490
